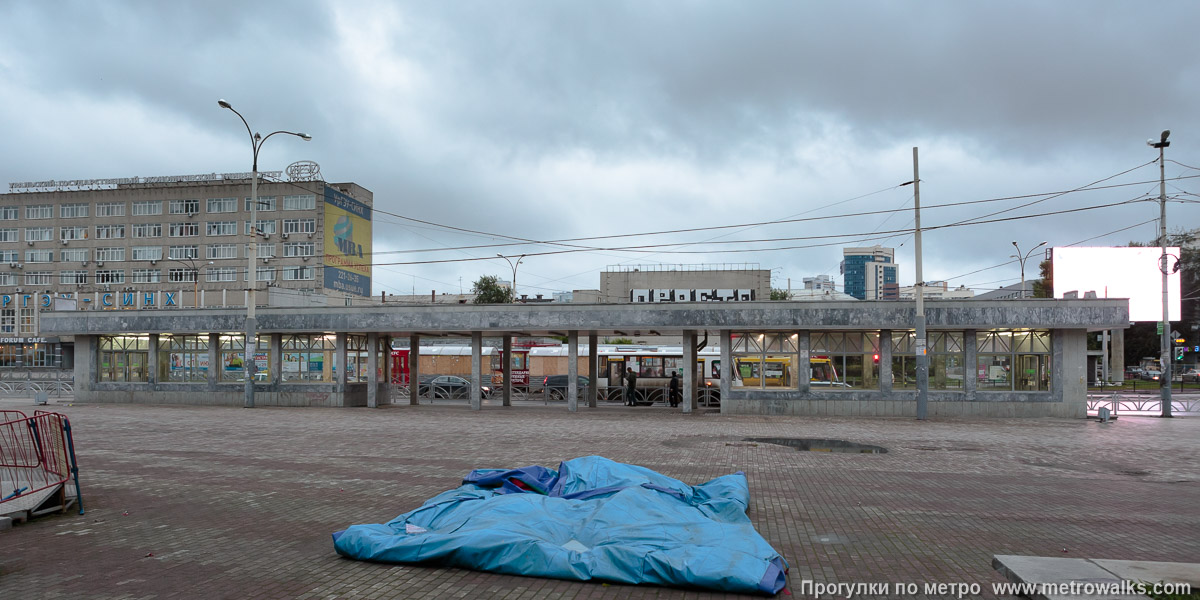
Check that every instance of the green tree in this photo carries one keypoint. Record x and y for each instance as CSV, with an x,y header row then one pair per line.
x,y
618,341
489,291
1044,287
780,295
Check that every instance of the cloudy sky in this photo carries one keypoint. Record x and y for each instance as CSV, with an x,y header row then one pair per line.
x,y
550,121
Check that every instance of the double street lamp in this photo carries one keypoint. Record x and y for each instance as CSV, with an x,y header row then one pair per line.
x,y
1165,339
514,270
256,143
191,262
1022,258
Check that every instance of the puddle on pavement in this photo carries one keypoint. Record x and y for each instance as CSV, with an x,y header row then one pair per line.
x,y
821,445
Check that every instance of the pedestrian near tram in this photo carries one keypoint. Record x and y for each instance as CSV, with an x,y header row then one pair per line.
x,y
630,387
673,390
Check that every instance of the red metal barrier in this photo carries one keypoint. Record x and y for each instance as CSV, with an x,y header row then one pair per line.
x,y
37,461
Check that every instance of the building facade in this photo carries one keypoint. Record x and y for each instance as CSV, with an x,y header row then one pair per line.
x,y
173,242
680,283
866,271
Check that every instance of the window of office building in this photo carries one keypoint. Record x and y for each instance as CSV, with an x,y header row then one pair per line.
x,y
221,228
221,273
39,211
147,276
72,277
12,257
299,225
73,255
9,213
110,276
291,249
110,209
39,256
147,230
8,320
1013,360
39,234
181,275
183,358
110,254
308,357
186,229
73,211
222,205
222,251
11,234
110,232
72,233
297,273
147,253
300,202
124,358
263,274
262,251
28,322
264,203
37,278
765,360
183,252
7,279
146,208
185,207
268,226
844,360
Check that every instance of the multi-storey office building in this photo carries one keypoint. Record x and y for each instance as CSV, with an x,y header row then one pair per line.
x,y
173,242
868,270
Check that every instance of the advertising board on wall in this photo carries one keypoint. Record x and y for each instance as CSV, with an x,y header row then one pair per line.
x,y
347,244
1116,272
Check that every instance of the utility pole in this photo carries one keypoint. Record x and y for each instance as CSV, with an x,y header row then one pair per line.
x,y
1164,384
919,288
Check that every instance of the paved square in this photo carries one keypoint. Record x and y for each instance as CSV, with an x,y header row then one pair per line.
x,y
218,502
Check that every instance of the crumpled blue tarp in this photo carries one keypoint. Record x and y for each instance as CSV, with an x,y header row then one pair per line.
x,y
592,519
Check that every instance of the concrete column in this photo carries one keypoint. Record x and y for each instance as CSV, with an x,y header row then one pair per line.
x,y
970,365
152,362
214,361
689,370
476,369
507,368
372,370
885,361
414,368
1116,349
339,363
86,355
573,370
804,351
726,366
593,369
275,362
387,368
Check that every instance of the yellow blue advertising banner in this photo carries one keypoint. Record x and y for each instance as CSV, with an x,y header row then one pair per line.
x,y
347,244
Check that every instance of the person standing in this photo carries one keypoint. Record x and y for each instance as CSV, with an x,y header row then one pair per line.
x,y
673,390
630,387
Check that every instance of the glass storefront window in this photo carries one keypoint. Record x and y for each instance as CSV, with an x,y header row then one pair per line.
x,y
183,358
844,360
308,357
356,358
1013,360
123,358
767,361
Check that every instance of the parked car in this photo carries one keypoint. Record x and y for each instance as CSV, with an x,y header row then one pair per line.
x,y
448,386
1151,375
1133,373
1190,376
556,385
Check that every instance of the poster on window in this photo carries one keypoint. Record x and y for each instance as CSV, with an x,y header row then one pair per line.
x,y
291,362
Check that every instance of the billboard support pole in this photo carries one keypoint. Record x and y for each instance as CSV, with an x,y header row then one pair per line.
x,y
1164,385
251,344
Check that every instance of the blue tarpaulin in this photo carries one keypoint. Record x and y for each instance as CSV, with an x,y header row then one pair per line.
x,y
593,518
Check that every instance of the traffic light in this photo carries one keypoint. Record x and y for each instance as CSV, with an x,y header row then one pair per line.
x,y
876,359
1179,352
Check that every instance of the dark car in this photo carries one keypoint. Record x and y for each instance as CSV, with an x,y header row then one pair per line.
x,y
1151,375
448,386
556,385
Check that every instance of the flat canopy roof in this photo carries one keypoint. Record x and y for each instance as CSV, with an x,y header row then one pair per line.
x,y
604,319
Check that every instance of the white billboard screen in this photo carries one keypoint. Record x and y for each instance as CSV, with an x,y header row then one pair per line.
x,y
1119,273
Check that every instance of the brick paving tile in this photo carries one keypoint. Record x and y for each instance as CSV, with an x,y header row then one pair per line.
x,y
234,503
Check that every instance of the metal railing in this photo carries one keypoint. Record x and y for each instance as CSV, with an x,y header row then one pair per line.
x,y
1140,405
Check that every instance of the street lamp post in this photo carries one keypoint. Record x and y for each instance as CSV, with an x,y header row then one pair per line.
x,y
514,270
1165,340
1022,258
191,262
256,143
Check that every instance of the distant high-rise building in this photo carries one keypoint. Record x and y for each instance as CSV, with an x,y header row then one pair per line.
x,y
866,271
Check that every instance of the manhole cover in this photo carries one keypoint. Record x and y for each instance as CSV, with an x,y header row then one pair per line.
x,y
821,445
